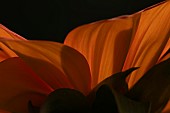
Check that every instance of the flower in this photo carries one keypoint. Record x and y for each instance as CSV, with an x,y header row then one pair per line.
x,y
31,70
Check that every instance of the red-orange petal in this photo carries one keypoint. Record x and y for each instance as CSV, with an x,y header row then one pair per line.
x,y
58,65
18,85
5,52
4,111
5,33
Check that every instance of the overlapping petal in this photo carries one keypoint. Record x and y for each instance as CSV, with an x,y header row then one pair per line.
x,y
18,85
110,46
150,39
57,64
165,53
63,65
124,42
30,70
5,52
5,33
104,44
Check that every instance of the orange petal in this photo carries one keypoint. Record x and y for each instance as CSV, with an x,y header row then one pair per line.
x,y
167,108
18,85
165,53
5,52
150,39
49,73
104,44
54,63
5,33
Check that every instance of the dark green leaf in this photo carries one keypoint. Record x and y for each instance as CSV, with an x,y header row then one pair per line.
x,y
110,101
154,87
65,100
116,82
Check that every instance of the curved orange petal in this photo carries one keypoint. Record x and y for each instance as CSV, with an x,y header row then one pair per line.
x,y
57,64
18,85
165,53
124,42
104,44
150,39
5,33
5,52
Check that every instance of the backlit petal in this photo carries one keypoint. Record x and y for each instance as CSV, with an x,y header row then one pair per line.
x,y
165,53
5,33
18,85
5,52
120,43
58,65
150,39
104,44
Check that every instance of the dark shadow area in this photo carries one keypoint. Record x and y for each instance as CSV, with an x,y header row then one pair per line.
x,y
47,72
122,42
53,19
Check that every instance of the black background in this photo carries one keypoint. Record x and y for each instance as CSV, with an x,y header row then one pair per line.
x,y
53,19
